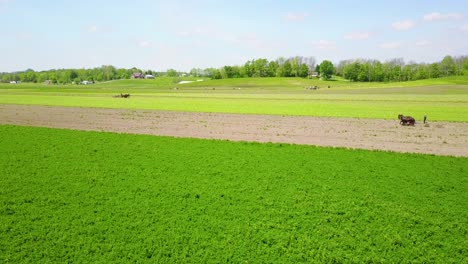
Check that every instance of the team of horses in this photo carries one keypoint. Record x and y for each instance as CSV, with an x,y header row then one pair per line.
x,y
122,96
406,120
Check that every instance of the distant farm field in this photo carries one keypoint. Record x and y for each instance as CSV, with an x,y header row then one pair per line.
x,y
445,99
70,196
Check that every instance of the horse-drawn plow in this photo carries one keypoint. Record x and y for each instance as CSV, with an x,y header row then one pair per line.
x,y
406,120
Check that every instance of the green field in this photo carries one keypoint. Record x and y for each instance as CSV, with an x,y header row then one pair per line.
x,y
441,99
86,197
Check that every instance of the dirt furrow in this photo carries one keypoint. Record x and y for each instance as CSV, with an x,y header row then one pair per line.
x,y
440,138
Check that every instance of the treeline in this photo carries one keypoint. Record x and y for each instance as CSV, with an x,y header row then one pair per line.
x,y
292,67
397,70
64,76
353,70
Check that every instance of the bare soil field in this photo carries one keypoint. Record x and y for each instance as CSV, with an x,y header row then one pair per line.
x,y
440,138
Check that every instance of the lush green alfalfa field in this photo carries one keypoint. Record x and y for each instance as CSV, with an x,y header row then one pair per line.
x,y
70,196
440,99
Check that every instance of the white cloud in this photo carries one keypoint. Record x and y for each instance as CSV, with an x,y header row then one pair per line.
x,y
403,25
324,44
464,28
422,43
438,16
93,29
145,44
358,35
390,45
295,16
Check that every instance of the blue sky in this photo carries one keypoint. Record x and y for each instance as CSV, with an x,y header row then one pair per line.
x,y
177,34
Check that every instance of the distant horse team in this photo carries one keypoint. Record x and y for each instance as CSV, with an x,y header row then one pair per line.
x,y
406,120
122,96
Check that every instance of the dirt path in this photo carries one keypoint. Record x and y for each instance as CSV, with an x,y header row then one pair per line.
x,y
441,138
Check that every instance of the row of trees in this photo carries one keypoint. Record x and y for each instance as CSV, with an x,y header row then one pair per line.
x,y
292,67
398,70
62,76
353,70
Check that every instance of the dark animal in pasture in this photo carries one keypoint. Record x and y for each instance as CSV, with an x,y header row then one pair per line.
x,y
122,96
406,120
312,88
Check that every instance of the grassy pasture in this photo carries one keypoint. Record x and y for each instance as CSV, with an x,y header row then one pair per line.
x,y
299,84
71,196
445,99
247,84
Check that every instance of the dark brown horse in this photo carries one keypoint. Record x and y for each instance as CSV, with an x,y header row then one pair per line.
x,y
406,120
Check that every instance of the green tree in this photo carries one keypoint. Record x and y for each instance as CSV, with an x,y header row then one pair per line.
x,y
243,72
326,69
223,73
260,67
421,72
227,72
465,66
53,77
195,72
317,68
6,78
73,75
230,72
351,71
304,70
42,77
434,71
364,72
287,69
377,72
447,66
108,72
121,74
249,69
63,76
272,68
280,71
172,73
216,74
294,66
210,72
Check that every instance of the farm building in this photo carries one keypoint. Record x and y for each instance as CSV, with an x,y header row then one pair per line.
x,y
138,75
149,76
313,74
